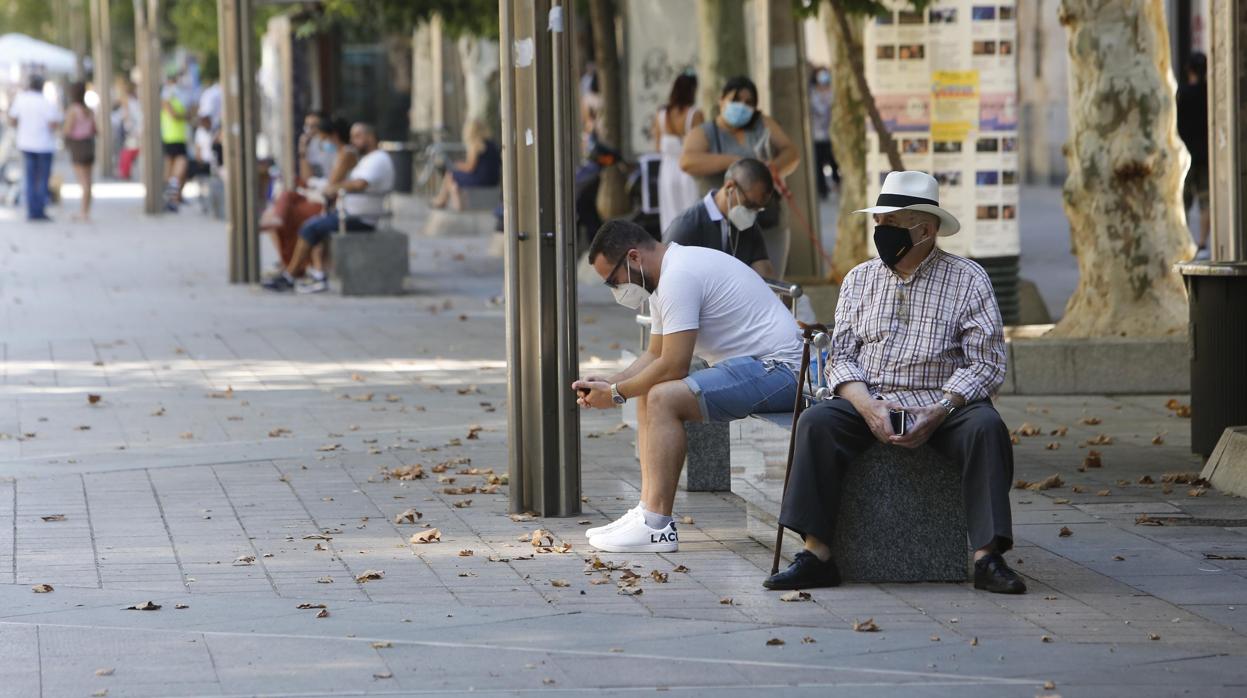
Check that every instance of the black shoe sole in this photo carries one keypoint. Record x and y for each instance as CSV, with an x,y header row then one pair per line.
x,y
983,587
794,587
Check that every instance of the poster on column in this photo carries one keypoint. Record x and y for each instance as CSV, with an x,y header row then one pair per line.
x,y
945,82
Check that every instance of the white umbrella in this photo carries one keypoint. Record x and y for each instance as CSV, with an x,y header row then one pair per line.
x,y
17,50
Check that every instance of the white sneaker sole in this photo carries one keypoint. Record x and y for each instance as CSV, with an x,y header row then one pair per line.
x,y
640,548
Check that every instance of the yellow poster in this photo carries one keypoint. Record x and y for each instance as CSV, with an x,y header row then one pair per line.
x,y
955,104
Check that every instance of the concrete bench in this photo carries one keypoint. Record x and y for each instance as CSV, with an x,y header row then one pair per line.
x,y
370,264
901,516
476,218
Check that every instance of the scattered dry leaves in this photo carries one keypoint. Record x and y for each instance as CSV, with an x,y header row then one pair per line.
x,y
1028,429
1100,440
1052,481
410,516
865,626
660,577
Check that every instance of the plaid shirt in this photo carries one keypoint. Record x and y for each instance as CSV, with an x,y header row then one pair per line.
x,y
912,340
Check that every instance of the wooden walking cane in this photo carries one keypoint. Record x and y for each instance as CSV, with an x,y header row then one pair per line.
x,y
807,337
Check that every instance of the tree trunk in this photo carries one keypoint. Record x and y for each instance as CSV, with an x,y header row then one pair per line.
x,y
722,54
478,60
848,141
858,67
612,199
1123,195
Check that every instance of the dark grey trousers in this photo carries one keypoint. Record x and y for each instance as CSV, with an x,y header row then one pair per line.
x,y
831,434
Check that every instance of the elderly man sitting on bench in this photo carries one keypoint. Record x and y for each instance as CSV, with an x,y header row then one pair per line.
x,y
700,299
918,331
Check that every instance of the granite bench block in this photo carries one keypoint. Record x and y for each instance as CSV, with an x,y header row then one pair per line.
x,y
708,465
370,264
901,518
444,223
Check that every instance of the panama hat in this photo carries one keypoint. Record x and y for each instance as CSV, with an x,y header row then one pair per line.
x,y
913,191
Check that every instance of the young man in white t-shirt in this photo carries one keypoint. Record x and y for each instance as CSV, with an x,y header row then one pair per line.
x,y
702,301
363,192
37,119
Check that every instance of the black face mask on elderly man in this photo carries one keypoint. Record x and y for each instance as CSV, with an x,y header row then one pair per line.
x,y
893,243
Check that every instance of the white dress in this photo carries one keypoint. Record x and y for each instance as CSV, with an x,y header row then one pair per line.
x,y
677,190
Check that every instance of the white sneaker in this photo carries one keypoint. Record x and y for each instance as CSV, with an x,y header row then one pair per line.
x,y
598,530
633,536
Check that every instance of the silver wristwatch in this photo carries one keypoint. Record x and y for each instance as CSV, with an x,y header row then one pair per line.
x,y
948,405
615,396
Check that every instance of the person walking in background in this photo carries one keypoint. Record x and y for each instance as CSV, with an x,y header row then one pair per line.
x,y
128,123
741,131
79,130
173,136
1193,129
481,168
821,99
676,188
36,118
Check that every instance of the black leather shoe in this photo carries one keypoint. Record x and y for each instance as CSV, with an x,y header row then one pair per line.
x,y
805,572
992,574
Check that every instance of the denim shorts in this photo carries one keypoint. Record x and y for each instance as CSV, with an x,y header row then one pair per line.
x,y
738,387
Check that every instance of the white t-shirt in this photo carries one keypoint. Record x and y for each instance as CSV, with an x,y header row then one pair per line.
x,y
35,116
210,103
733,310
368,205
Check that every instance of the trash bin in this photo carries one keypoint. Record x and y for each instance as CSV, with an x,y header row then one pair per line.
x,y
403,155
1218,342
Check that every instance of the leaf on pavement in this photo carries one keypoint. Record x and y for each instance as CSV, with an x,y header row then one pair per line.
x,y
1145,520
474,431
1146,480
41,588
308,606
1100,440
1028,429
559,583
325,580
681,569
322,613
368,575
774,642
93,399
1103,493
53,517
1065,532
244,560
630,590
144,606
686,520
727,601
382,645
660,577
410,516
466,553
463,504
104,672
279,431
796,596
541,538
1092,460
1158,440
1059,431
865,626
430,536
330,447
807,640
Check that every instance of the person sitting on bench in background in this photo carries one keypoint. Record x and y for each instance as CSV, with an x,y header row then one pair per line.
x,y
701,300
919,330
725,219
363,193
482,167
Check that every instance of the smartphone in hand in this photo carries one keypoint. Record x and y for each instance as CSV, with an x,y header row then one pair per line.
x,y
898,421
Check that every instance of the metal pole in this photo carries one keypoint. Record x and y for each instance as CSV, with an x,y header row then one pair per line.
x,y
102,54
1227,131
539,137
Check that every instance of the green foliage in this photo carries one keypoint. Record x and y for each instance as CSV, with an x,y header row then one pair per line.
x,y
30,17
192,24
460,17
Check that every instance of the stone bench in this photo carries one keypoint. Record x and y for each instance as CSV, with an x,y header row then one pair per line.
x,y
901,516
476,219
370,264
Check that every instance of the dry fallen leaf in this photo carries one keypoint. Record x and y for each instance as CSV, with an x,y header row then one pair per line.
x,y
631,591
330,447
104,672
680,568
41,588
1158,440
1184,479
93,399
1100,440
796,596
542,538
466,553
1059,431
1196,491
430,536
1118,558
865,626
560,583
1045,638
1153,636
660,577
1145,520
686,520
974,642
309,606
244,560
1065,532
53,517
1103,493
1048,685
382,645
1092,460
774,642
368,575
1028,429
463,504
600,580
325,580
1053,446
409,516
1146,480
474,431
1052,481
279,431
144,606
727,601
322,613
1091,421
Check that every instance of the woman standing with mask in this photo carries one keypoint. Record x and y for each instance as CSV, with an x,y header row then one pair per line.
x,y
741,131
821,98
676,189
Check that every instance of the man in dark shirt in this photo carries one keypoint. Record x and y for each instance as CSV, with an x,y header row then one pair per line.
x,y
724,219
1193,129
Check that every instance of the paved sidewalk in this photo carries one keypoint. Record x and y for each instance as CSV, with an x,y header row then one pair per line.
x,y
245,457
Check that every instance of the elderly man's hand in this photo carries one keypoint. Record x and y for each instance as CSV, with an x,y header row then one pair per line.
x,y
875,412
923,421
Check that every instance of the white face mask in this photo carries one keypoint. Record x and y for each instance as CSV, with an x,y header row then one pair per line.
x,y
741,216
631,295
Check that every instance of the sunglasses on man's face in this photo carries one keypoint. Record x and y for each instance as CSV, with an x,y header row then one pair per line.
x,y
610,278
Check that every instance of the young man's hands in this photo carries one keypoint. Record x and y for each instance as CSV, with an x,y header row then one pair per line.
x,y
593,392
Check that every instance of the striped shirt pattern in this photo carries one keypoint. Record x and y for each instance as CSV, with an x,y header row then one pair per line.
x,y
911,340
